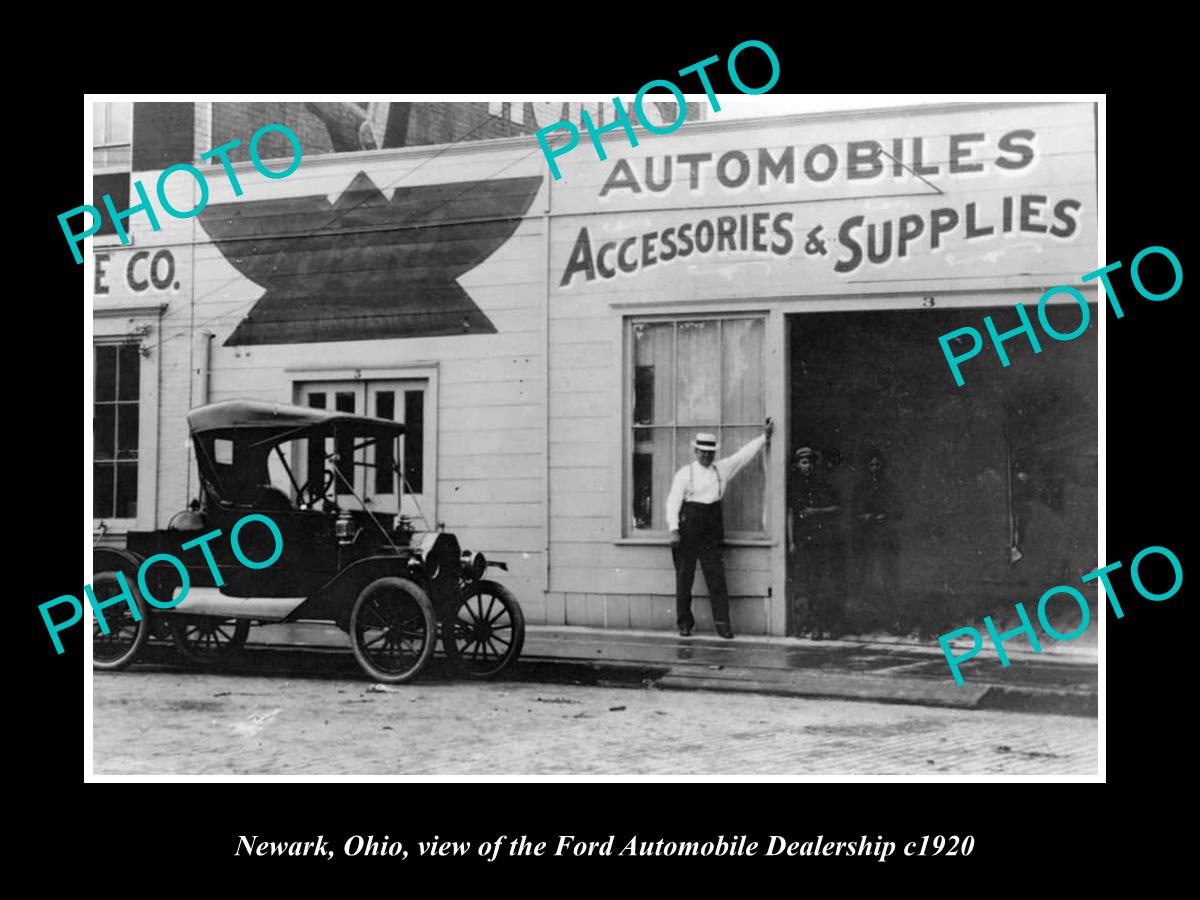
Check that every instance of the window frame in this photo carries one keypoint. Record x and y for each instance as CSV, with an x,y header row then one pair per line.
x,y
111,239
626,533
140,325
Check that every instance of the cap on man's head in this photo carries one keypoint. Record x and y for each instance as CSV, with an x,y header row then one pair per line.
x,y
806,453
706,442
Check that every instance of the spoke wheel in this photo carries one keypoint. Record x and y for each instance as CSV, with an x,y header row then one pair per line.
x,y
208,640
487,631
126,636
392,629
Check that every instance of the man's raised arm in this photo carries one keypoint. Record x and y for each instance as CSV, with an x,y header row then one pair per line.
x,y
731,465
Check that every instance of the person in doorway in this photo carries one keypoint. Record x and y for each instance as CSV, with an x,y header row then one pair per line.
x,y
697,529
876,512
815,545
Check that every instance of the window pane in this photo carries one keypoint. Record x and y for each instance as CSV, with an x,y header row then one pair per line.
x,y
99,122
707,376
743,503
104,431
698,376
127,430
652,474
116,185
314,457
414,440
385,450
742,372
130,359
102,490
652,373
120,123
126,490
106,373
344,402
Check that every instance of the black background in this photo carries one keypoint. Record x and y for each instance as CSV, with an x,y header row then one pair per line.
x,y
174,828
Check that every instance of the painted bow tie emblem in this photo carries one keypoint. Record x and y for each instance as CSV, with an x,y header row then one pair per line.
x,y
367,267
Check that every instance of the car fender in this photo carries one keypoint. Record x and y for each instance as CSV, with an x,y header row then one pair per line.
x,y
115,559
336,597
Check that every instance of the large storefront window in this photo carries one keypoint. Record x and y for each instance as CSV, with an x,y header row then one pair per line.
x,y
115,413
690,375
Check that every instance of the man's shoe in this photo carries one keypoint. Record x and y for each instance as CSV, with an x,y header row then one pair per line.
x,y
685,630
725,631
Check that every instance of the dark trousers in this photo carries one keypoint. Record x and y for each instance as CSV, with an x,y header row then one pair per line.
x,y
878,567
701,538
819,582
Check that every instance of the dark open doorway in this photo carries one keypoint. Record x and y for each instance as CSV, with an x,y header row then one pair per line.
x,y
985,494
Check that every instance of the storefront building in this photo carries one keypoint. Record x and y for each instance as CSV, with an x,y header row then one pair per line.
x,y
555,345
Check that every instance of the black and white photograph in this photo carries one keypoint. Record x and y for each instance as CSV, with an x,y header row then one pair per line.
x,y
751,435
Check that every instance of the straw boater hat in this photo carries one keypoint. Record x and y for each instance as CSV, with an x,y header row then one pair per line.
x,y
706,442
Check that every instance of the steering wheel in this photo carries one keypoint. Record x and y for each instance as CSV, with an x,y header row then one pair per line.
x,y
309,494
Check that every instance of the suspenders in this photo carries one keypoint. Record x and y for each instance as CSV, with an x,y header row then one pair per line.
x,y
692,480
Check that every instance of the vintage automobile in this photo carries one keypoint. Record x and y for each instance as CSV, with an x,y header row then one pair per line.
x,y
395,590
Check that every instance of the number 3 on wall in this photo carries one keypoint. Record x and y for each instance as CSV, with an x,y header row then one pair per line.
x,y
927,301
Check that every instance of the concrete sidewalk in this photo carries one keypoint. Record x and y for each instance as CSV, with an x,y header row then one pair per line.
x,y
875,668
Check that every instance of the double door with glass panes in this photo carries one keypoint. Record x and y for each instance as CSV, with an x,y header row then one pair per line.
x,y
376,482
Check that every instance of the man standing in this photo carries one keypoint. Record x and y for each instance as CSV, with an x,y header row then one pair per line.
x,y
877,509
697,529
814,542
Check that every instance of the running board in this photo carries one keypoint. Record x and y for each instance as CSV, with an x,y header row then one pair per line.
x,y
209,601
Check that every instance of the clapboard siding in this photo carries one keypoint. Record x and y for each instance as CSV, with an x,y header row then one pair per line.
x,y
576,479
508,540
493,514
496,419
508,490
580,528
587,554
625,580
567,454
580,405
473,464
494,393
456,442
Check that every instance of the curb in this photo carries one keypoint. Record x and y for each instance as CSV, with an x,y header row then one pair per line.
x,y
803,683
830,686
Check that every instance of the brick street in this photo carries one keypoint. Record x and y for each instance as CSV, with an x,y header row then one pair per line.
x,y
152,721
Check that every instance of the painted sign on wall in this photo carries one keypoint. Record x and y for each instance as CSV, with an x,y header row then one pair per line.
x,y
997,197
141,272
366,266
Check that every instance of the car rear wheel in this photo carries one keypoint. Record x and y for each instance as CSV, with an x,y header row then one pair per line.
x,y
487,631
392,629
208,640
126,635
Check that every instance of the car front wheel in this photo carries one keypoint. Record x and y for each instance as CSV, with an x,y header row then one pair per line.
x,y
486,632
392,629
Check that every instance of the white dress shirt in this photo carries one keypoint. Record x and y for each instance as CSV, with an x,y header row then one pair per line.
x,y
707,484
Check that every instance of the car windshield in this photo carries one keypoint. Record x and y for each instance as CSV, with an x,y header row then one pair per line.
x,y
280,467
